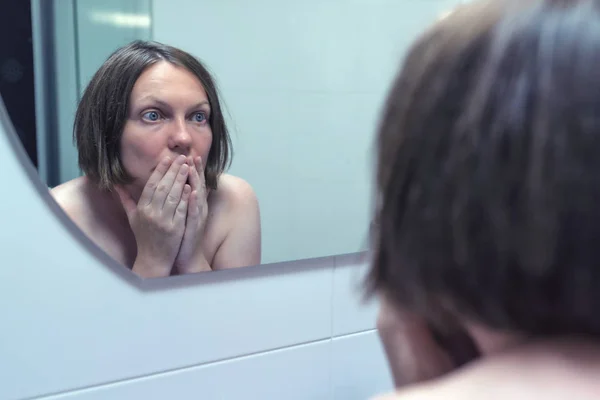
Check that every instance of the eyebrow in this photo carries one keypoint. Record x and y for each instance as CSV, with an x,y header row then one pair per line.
x,y
153,99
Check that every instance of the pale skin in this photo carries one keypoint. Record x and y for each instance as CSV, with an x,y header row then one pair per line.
x,y
167,221
511,367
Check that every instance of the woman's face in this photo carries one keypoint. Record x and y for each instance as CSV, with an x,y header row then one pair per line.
x,y
168,115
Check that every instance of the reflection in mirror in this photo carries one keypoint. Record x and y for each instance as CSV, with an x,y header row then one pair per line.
x,y
153,146
123,88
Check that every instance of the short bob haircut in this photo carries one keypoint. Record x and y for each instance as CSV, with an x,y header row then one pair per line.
x,y
104,108
488,170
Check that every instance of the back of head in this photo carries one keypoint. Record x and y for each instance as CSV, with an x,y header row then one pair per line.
x,y
488,176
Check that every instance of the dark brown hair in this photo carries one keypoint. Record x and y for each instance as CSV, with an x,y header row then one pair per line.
x,y
488,170
103,110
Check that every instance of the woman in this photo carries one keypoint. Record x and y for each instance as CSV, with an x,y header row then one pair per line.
x,y
488,186
153,147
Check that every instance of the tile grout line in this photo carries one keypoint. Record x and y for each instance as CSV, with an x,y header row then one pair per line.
x,y
83,389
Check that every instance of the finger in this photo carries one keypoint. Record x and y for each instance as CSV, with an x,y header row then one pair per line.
x,y
174,196
194,208
202,190
182,207
192,219
126,200
150,187
164,186
195,180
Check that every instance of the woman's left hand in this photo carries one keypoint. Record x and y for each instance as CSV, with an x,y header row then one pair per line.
x,y
190,258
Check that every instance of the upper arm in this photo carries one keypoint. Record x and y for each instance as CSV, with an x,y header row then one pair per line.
x,y
242,245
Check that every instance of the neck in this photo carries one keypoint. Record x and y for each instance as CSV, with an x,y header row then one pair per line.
x,y
491,341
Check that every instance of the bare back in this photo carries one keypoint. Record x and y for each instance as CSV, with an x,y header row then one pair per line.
x,y
100,215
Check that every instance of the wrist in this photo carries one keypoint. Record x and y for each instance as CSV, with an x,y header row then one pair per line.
x,y
198,263
149,269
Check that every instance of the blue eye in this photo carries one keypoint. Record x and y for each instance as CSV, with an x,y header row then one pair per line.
x,y
151,116
199,117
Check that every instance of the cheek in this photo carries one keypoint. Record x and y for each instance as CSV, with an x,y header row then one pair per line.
x,y
202,146
139,156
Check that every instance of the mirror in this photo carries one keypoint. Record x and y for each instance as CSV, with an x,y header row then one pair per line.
x,y
300,86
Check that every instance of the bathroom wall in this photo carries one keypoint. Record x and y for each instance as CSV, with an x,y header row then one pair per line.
x,y
75,326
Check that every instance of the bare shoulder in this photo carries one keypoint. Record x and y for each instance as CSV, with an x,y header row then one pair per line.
x,y
422,391
87,206
234,198
563,370
71,196
233,205
236,219
235,191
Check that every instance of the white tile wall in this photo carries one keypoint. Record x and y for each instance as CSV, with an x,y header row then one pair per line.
x,y
359,368
281,374
351,311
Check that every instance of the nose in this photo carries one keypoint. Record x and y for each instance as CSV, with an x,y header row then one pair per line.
x,y
180,139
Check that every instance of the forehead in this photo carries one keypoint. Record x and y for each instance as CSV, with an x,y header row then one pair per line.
x,y
168,80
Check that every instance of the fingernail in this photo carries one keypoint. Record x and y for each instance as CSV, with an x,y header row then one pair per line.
x,y
181,158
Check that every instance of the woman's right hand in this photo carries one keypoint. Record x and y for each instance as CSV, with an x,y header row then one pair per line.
x,y
158,218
